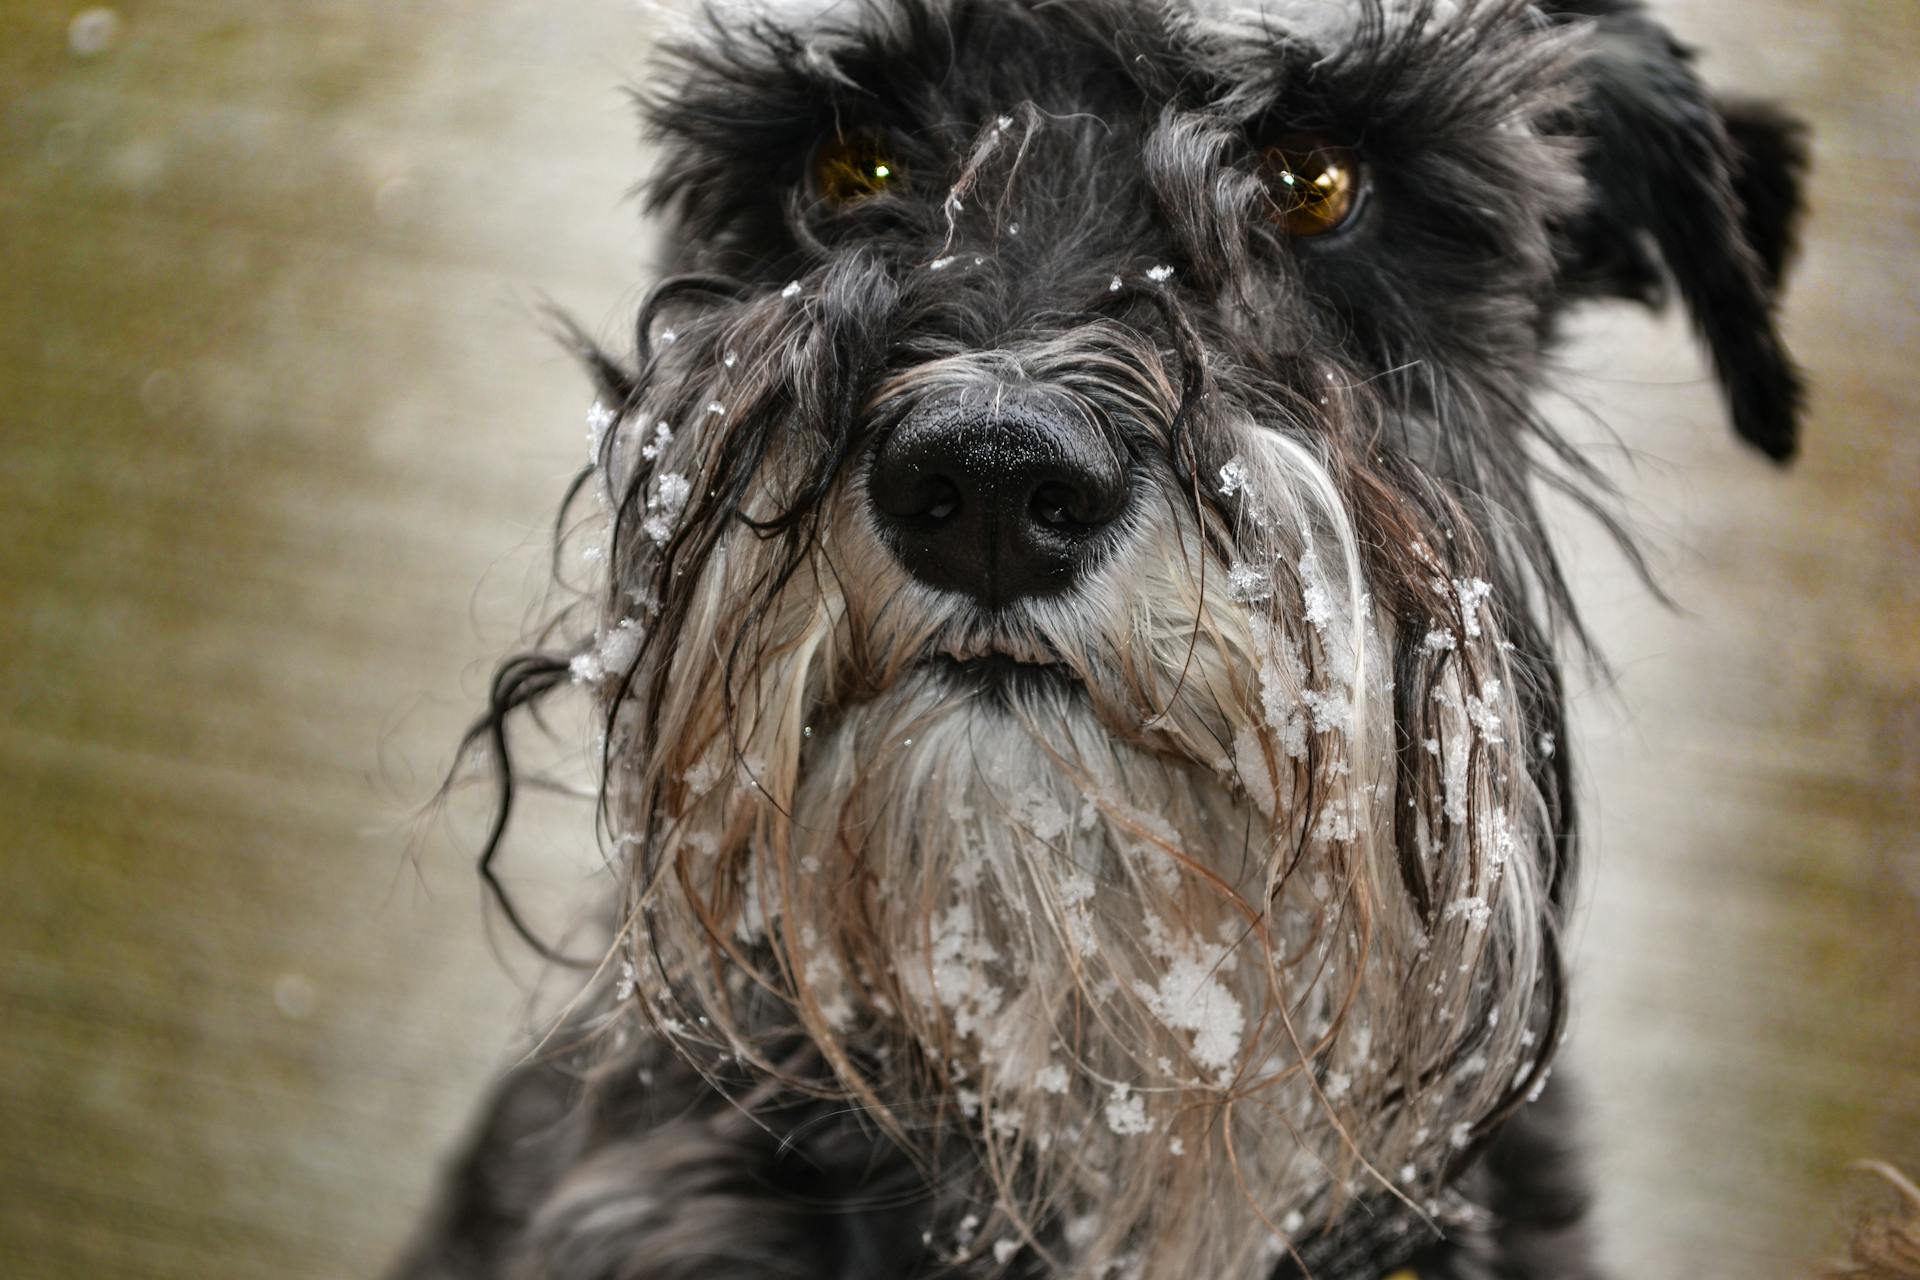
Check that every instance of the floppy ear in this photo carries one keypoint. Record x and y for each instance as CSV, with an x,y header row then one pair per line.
x,y
1709,193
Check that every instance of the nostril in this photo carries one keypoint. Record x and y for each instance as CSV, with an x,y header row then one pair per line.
x,y
1064,508
945,497
920,500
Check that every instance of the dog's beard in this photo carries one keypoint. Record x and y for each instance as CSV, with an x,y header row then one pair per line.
x,y
1112,878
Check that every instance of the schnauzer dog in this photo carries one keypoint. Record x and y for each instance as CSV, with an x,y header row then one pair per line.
x,y
1076,648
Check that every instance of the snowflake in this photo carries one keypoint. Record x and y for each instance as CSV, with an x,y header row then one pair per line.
x,y
669,499
1233,477
1247,584
662,437
1127,1114
600,420
1475,910
1472,592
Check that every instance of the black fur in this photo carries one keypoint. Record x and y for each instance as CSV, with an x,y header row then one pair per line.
x,y
1137,144
1716,195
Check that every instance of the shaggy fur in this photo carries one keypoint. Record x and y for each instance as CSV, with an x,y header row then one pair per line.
x,y
1201,918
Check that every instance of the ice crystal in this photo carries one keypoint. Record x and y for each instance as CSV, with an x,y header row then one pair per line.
x,y
706,770
1316,597
1473,592
1281,668
662,437
1475,910
612,653
669,499
1127,1114
1480,711
1037,811
1250,764
1190,997
600,420
1233,475
1247,584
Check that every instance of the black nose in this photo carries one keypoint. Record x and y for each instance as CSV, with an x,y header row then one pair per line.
x,y
1000,500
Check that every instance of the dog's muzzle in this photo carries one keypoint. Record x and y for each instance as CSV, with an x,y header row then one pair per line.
x,y
999,501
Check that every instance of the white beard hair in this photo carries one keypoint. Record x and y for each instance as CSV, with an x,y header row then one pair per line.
x,y
1187,1019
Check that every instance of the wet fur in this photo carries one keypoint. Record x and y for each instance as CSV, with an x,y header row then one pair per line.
x,y
1220,936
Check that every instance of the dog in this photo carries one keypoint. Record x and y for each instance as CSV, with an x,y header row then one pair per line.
x,y
1076,653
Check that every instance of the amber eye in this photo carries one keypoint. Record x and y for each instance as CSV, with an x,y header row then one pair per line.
x,y
853,168
1313,185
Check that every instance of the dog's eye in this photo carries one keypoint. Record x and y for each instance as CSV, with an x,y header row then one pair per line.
x,y
1313,185
853,168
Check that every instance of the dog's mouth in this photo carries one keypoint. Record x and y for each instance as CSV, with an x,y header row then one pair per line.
x,y
1002,663
1004,673
1001,659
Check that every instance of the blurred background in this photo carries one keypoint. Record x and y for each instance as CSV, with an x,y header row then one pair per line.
x,y
281,436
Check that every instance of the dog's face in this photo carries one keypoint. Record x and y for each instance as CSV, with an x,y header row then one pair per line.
x,y
1076,643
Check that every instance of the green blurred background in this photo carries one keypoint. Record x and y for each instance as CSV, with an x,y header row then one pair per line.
x,y
280,439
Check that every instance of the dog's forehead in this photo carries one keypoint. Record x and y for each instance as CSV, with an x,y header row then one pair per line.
x,y
1328,23
1325,23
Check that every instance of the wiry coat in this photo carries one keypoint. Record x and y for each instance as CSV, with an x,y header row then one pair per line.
x,y
1200,919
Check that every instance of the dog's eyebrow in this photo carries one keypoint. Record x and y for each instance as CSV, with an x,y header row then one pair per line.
x,y
905,63
756,99
1409,71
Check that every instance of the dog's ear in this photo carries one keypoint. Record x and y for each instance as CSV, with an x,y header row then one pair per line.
x,y
1709,192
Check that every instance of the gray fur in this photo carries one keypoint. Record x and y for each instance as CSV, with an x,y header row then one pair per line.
x,y
1214,929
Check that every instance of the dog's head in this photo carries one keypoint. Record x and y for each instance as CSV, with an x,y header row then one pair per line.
x,y
1076,641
